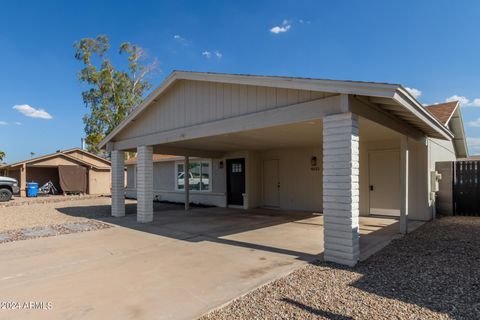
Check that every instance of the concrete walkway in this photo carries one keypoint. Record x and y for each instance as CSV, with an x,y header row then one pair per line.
x,y
179,267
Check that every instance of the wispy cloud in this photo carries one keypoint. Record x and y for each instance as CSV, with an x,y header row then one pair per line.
x,y
3,123
464,101
183,41
29,111
18,123
302,21
474,123
474,144
209,54
414,92
284,27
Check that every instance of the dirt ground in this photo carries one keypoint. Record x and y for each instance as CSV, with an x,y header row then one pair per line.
x,y
432,273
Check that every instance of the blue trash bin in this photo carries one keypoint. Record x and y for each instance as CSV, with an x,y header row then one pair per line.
x,y
32,189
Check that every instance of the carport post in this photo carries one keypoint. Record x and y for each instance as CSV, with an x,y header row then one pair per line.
x,y
341,188
404,185
144,184
23,180
118,183
186,182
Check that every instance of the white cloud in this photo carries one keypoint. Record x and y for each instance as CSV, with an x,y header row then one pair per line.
x,y
414,92
464,101
18,123
3,123
304,21
181,40
29,111
474,144
209,54
284,27
474,123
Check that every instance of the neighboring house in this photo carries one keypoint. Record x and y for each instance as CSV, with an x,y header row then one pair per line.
x,y
94,170
343,148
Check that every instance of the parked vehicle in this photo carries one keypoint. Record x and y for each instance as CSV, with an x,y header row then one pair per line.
x,y
8,187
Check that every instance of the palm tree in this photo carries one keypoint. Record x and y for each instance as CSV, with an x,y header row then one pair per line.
x,y
2,155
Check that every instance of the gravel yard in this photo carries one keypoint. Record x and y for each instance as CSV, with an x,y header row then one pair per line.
x,y
45,214
45,217
432,273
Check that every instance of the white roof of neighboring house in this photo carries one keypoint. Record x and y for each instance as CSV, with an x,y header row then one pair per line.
x,y
394,98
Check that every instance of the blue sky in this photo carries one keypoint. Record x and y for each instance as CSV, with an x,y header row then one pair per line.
x,y
432,46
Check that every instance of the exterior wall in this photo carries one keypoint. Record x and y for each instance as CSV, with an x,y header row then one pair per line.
x,y
189,103
99,181
301,186
300,183
164,184
419,204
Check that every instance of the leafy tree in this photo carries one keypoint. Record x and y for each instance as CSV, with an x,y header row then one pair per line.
x,y
2,155
112,93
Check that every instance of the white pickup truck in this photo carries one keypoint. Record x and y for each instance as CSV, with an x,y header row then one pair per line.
x,y
8,187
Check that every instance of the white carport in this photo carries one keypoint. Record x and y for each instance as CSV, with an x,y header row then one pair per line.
x,y
224,116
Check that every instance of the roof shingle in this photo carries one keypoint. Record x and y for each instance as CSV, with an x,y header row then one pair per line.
x,y
443,111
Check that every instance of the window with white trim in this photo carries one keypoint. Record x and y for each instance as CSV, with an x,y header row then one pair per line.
x,y
200,173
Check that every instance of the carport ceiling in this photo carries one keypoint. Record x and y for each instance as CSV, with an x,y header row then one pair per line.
x,y
287,136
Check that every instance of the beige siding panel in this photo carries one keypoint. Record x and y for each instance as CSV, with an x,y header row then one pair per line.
x,y
219,105
243,100
292,96
188,103
271,98
251,99
227,100
282,97
261,98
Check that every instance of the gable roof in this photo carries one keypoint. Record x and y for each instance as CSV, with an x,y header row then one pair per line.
x,y
443,111
450,114
65,154
398,99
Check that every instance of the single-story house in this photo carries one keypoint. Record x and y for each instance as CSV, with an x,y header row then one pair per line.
x,y
341,148
75,167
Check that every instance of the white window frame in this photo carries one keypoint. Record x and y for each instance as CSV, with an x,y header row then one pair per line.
x,y
210,178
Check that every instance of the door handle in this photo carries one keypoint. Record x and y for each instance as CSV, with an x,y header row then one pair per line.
x,y
371,188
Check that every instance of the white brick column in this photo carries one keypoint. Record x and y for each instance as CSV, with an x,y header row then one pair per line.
x,y
144,184
118,183
341,188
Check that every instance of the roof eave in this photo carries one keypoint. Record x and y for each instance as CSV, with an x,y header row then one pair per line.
x,y
404,98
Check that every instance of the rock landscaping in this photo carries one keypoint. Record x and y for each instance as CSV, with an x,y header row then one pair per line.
x,y
51,230
432,273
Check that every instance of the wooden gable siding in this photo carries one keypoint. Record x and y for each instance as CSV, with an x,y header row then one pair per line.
x,y
87,158
188,103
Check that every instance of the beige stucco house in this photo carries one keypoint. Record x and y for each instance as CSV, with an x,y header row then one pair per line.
x,y
46,168
342,148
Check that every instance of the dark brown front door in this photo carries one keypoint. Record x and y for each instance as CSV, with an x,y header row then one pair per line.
x,y
235,181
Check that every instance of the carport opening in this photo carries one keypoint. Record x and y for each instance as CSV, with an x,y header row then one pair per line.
x,y
42,175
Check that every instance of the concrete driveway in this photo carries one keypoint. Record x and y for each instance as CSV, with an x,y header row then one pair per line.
x,y
179,267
